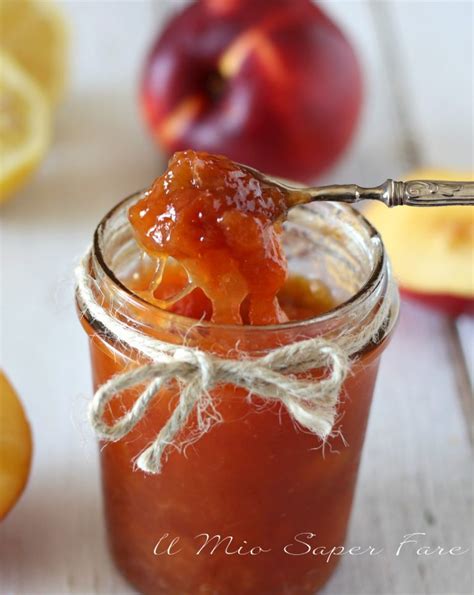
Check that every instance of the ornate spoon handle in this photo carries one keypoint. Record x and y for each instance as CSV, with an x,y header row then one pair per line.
x,y
415,193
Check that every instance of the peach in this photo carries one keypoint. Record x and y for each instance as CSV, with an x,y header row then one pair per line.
x,y
271,83
431,249
15,447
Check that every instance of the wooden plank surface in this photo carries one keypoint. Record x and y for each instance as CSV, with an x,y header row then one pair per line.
x,y
414,474
415,470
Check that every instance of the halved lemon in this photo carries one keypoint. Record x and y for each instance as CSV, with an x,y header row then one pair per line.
x,y
34,33
25,123
15,447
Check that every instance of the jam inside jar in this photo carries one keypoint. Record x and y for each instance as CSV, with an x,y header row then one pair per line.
x,y
225,516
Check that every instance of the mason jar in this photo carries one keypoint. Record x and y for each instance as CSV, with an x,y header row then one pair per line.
x,y
245,507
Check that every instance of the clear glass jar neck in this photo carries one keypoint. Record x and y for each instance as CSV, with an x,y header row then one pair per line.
x,y
329,241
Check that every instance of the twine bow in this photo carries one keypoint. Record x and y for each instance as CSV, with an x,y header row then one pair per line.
x,y
272,377
311,401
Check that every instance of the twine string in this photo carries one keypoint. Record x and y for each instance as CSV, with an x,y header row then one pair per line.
x,y
275,376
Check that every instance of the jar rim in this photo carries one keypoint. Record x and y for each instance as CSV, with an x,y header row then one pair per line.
x,y
367,289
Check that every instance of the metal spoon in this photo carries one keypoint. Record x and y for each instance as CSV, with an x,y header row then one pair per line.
x,y
414,193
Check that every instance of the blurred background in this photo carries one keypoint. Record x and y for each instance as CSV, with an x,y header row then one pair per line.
x,y
415,63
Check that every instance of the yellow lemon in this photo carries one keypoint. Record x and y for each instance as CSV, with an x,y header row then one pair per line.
x,y
25,123
33,32
15,447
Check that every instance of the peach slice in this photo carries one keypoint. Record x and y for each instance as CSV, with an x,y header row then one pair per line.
x,y
15,447
432,249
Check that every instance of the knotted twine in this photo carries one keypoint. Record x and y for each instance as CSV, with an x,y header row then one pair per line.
x,y
312,402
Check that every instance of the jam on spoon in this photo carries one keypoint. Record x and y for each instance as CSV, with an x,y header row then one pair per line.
x,y
222,225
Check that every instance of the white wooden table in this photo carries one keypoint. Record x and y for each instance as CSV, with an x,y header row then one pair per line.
x,y
415,475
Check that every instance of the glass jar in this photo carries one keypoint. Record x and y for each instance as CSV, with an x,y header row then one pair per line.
x,y
242,509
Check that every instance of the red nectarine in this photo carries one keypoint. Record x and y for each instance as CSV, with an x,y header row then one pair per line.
x,y
271,83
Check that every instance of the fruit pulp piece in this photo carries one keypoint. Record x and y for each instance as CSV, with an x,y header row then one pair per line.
x,y
15,447
24,125
222,224
303,298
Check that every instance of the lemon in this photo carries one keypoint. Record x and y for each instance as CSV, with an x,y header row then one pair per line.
x,y
15,447
34,33
25,123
